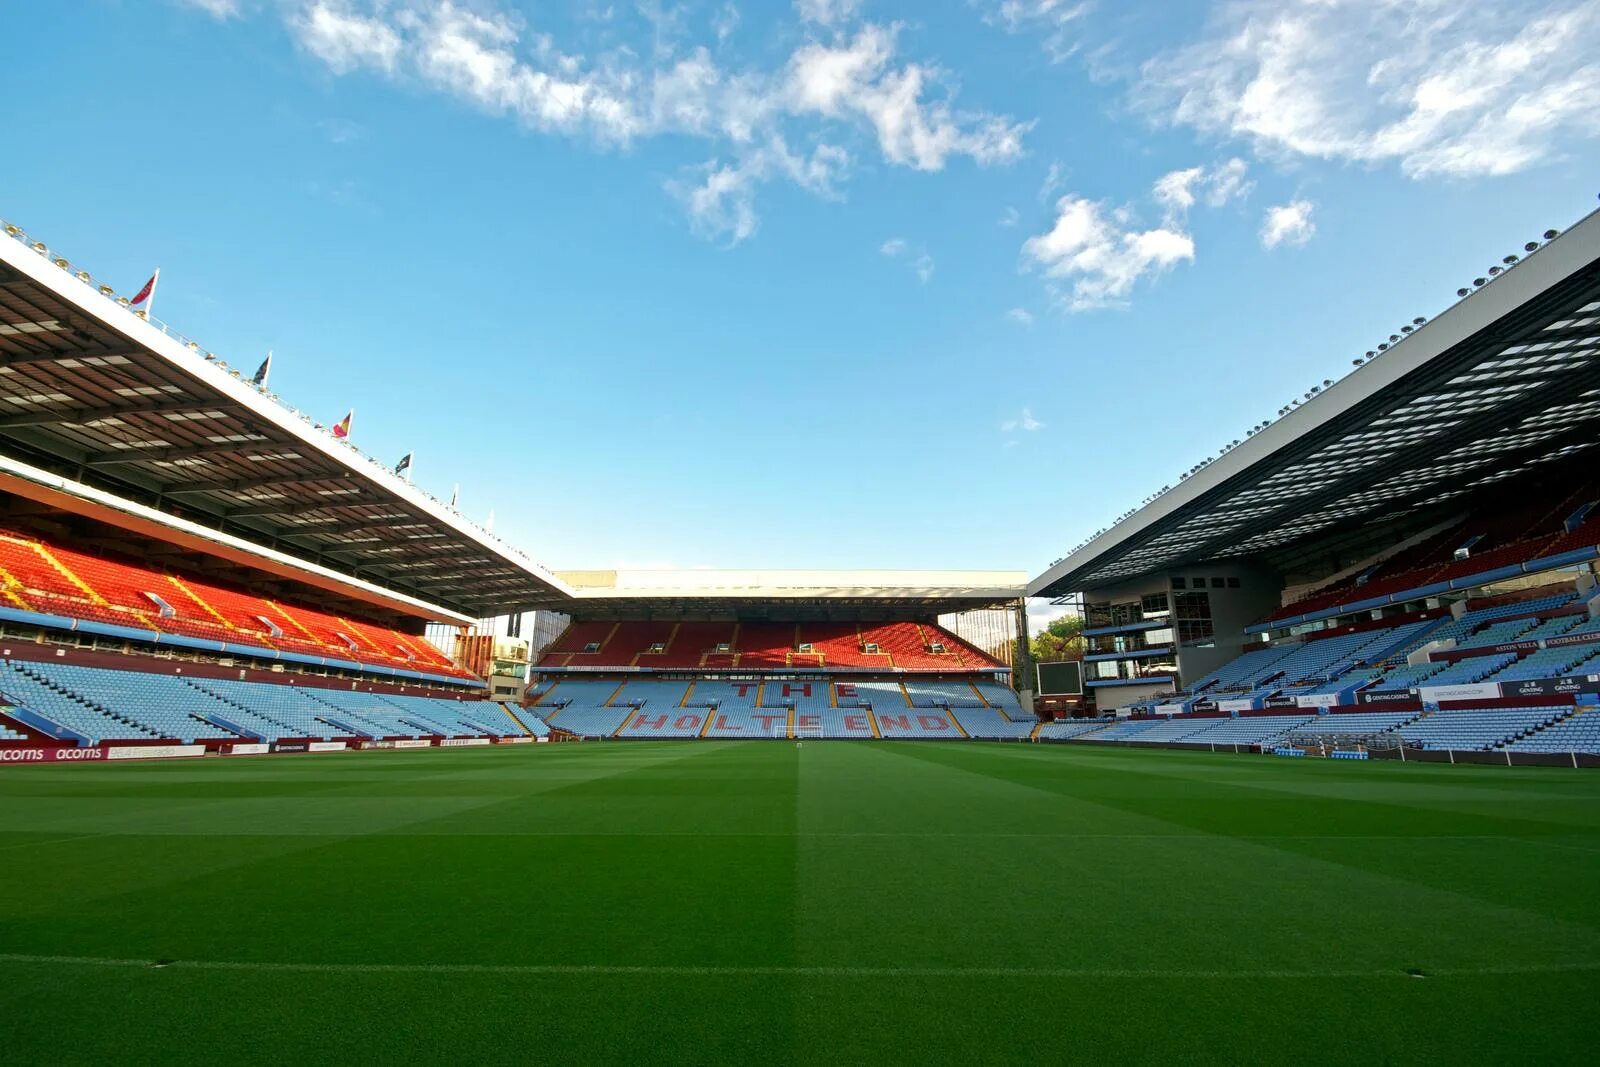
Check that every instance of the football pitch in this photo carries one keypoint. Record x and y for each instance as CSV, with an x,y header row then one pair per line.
x,y
836,902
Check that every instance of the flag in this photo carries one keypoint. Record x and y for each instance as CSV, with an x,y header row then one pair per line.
x,y
146,295
262,371
341,429
455,495
404,465
489,526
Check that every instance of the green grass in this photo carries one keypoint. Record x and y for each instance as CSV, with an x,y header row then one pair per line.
x,y
838,903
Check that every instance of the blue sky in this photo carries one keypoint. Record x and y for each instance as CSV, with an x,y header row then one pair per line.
x,y
825,284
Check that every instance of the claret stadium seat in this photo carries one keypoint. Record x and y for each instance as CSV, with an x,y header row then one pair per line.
x,y
56,580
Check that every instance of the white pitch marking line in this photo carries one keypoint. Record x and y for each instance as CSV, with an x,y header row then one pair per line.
x,y
692,970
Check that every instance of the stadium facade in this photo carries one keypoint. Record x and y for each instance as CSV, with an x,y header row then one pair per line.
x,y
1421,529
187,562
1404,557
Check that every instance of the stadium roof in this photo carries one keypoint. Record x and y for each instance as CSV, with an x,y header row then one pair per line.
x,y
109,414
786,594
1502,382
96,393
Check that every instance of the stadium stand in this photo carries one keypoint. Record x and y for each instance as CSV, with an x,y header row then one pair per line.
x,y
1352,725
846,723
53,580
1475,669
1066,729
882,696
1545,663
1408,677
1526,531
745,722
97,704
1174,730
990,723
665,723
1578,733
800,694
716,692
588,720
916,723
765,646
1005,698
943,695
1253,730
1477,728
656,695
1120,731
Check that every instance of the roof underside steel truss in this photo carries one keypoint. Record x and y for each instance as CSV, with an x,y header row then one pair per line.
x,y
1499,406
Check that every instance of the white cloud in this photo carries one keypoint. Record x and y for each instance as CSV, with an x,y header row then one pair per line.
x,y
1041,613
1048,20
1009,217
683,96
1178,190
725,21
1053,180
1093,257
1020,316
1025,422
1288,224
217,9
853,78
344,39
1439,87
722,203
921,266
487,57
826,12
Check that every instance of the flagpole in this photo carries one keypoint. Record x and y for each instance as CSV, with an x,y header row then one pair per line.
x,y
150,301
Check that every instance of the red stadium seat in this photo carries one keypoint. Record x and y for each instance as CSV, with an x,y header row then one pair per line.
x,y
65,581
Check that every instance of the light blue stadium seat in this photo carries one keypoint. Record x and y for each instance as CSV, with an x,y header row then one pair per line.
x,y
1478,728
802,694
734,722
1353,724
1064,729
943,695
1580,733
990,723
910,723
